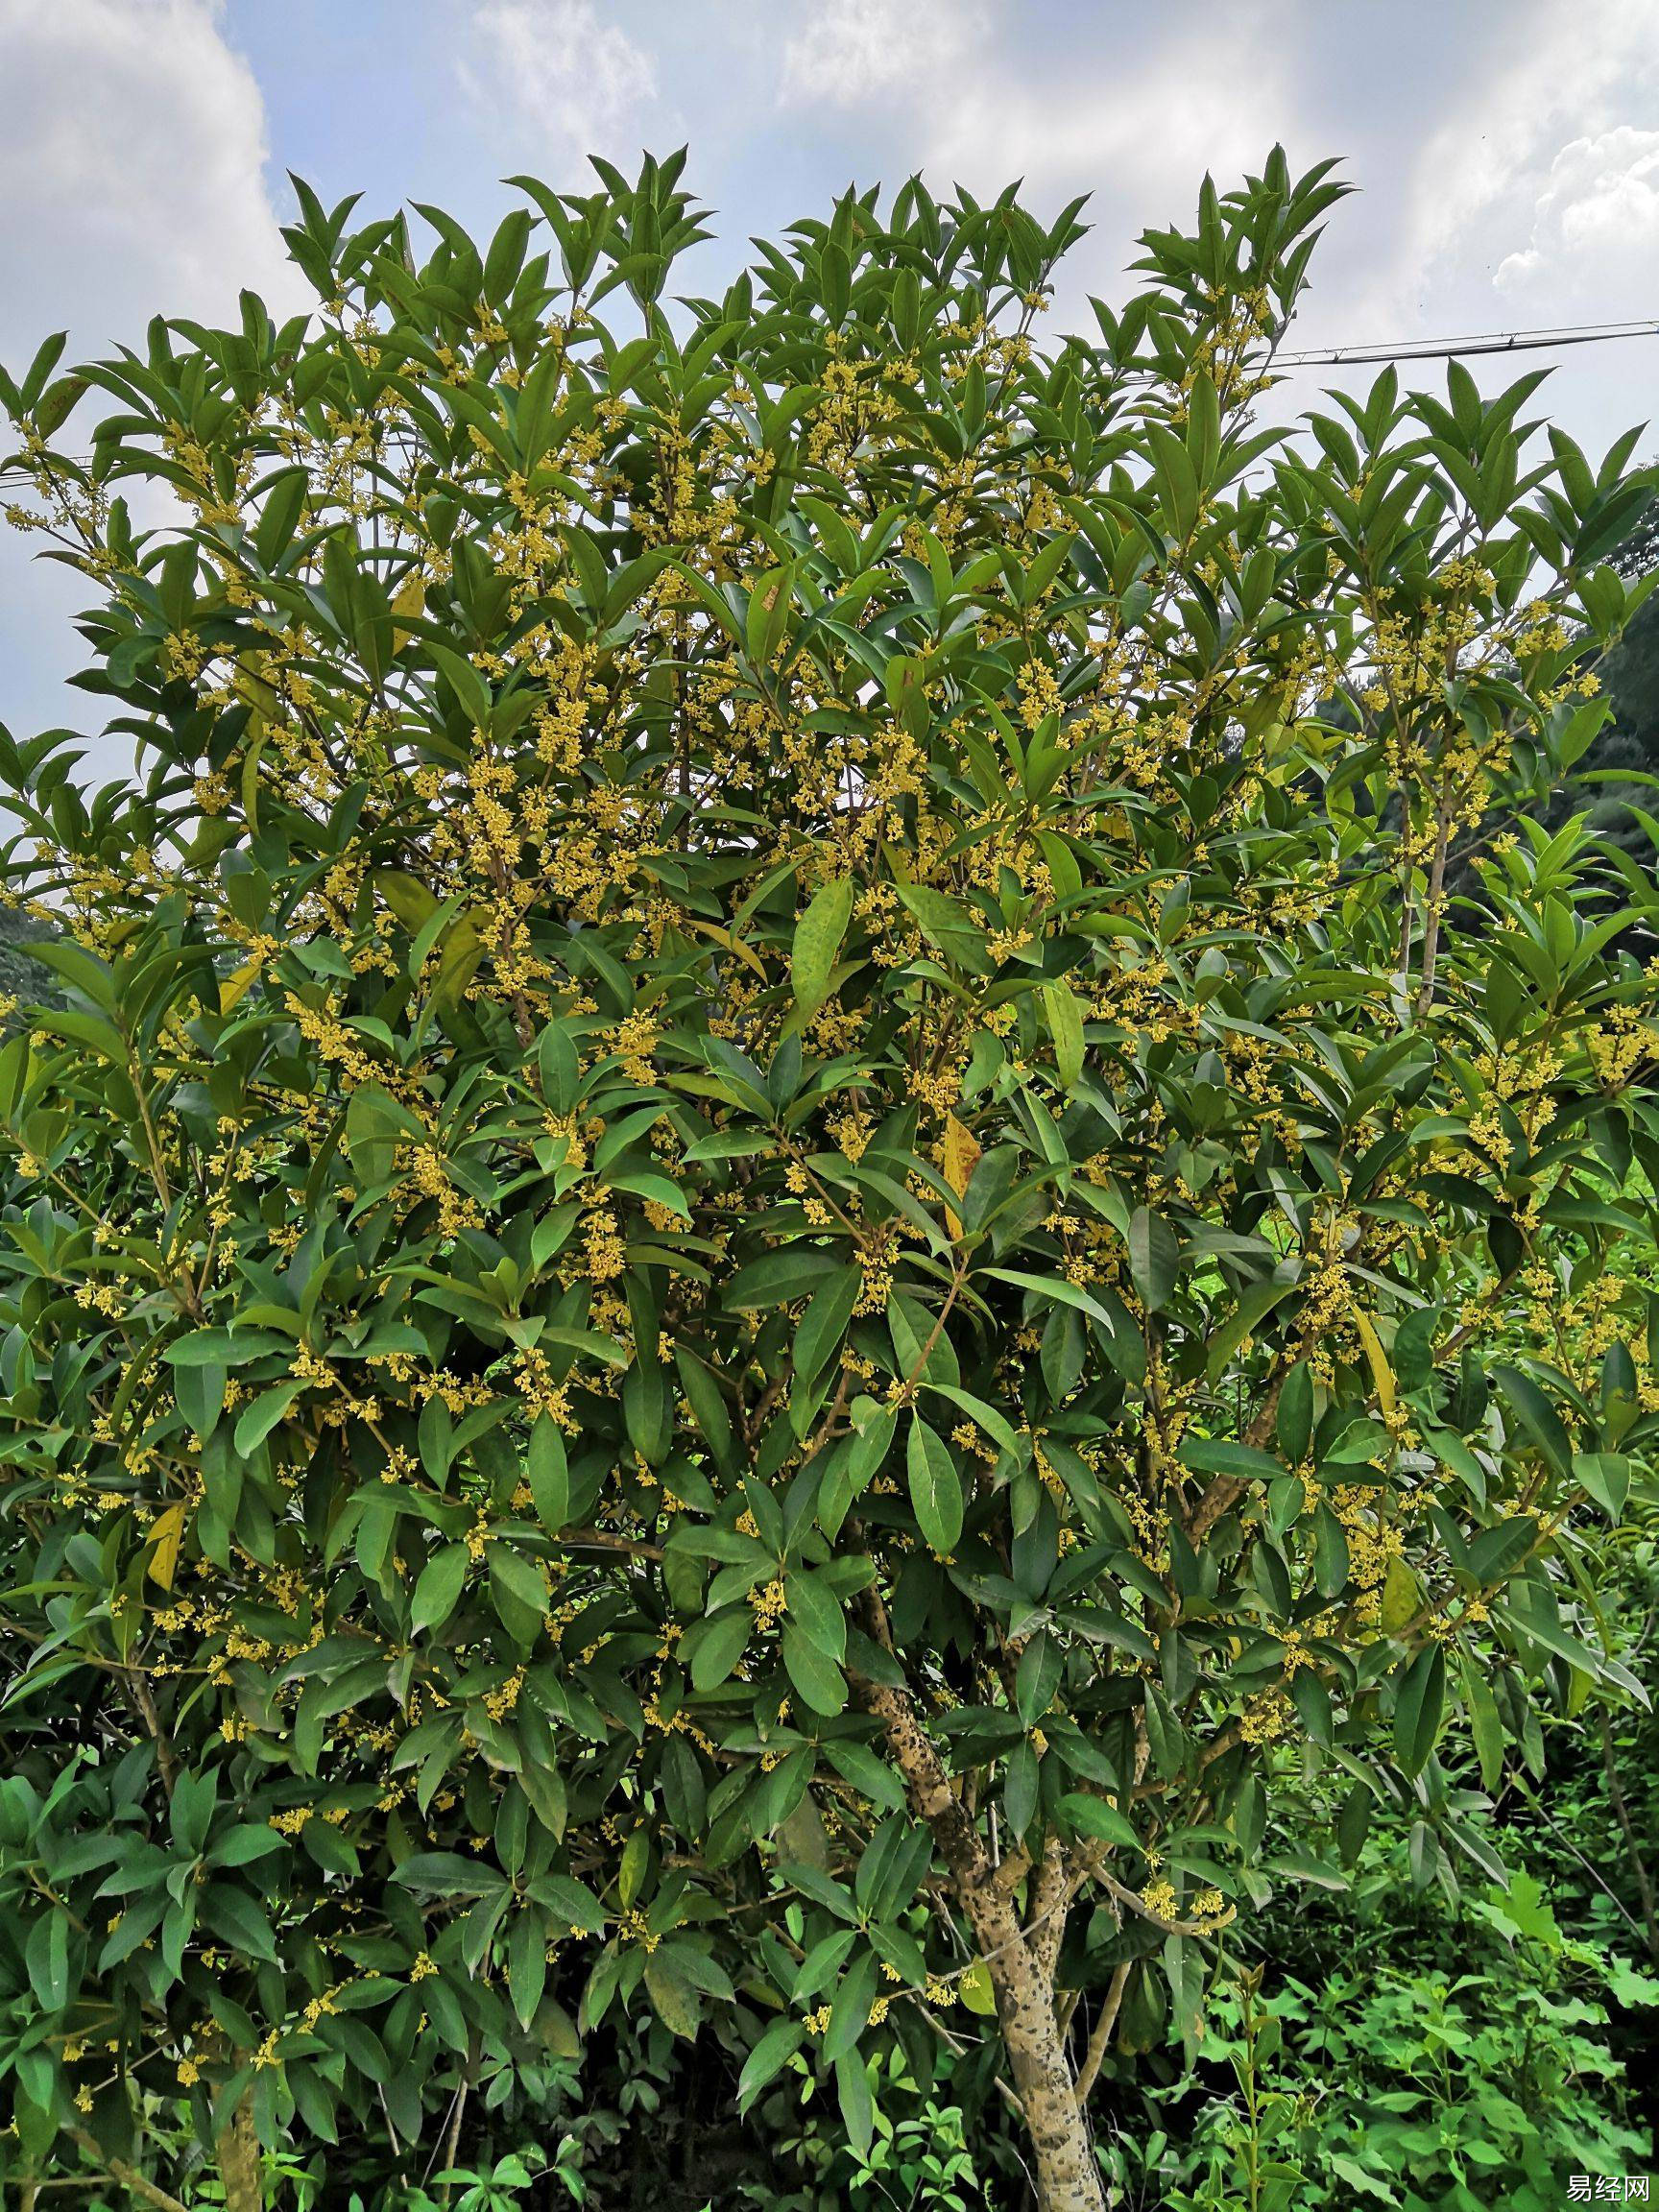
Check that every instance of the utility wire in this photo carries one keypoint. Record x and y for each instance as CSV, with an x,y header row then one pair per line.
x,y
1482,341
1425,350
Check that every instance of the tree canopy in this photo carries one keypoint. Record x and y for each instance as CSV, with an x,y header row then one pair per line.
x,y
826,1119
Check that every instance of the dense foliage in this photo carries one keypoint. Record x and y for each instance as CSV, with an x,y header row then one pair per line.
x,y
829,1126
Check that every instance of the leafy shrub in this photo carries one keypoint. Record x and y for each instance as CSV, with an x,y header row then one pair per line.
x,y
1484,2081
778,1200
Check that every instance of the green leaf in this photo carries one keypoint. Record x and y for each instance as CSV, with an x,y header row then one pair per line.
x,y
46,1955
438,1592
1225,1455
817,1682
720,1643
779,2044
996,1425
824,1324
946,922
1154,1258
818,936
258,1419
1455,1454
570,1901
1484,1724
936,1487
280,511
857,2104
466,682
56,404
1065,1027
850,2011
1419,1708
527,1966
1055,1288
1533,1613
858,1763
224,1347
1304,1868
1294,1417
239,1919
635,1859
549,1474
974,1990
437,1872
1604,1476
1094,1817
200,1394
815,1608
1537,1416
1495,1552
560,1067
516,1591
779,1278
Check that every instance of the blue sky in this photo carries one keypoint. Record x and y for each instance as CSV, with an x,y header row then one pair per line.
x,y
1507,155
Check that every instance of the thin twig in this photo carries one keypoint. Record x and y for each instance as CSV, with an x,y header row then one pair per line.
x,y
128,2176
1100,2035
1622,1813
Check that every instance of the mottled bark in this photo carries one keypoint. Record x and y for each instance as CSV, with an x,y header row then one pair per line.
x,y
1019,1962
240,2165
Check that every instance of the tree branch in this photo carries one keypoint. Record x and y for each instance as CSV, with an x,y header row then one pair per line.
x,y
117,2170
1100,2035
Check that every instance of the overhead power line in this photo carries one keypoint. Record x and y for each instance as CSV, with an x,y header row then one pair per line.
x,y
1481,342
1424,349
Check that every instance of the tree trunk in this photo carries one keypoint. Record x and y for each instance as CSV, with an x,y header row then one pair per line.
x,y
239,2161
1068,2176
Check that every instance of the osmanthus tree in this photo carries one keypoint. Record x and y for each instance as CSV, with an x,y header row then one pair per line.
x,y
779,1205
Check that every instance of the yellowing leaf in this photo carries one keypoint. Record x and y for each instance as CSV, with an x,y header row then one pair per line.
x,y
673,1996
729,939
961,1154
410,600
1402,1597
975,1989
235,987
409,898
818,935
1382,1374
166,1534
260,695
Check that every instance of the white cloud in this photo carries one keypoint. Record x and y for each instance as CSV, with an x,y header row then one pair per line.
x,y
1596,217
132,150
852,51
984,103
1137,137
1144,133
1543,181
583,79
